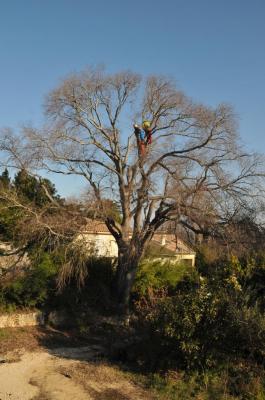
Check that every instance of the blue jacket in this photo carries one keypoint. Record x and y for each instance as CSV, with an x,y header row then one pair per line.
x,y
142,135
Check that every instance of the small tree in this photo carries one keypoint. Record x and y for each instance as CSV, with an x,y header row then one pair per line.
x,y
194,172
33,189
5,179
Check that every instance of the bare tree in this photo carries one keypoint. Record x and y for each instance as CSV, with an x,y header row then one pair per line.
x,y
194,172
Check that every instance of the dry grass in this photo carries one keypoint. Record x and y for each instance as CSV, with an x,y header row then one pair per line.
x,y
35,338
106,382
12,339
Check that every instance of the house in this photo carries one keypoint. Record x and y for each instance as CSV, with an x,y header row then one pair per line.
x,y
169,247
163,245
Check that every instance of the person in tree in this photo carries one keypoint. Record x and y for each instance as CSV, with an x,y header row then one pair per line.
x,y
140,138
143,136
148,131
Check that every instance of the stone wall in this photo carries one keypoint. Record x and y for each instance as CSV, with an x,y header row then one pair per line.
x,y
16,320
56,318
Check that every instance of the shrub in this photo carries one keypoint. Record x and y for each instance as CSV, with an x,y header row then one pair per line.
x,y
206,326
155,276
35,287
201,326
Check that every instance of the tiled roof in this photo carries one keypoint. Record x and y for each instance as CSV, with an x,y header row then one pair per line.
x,y
96,226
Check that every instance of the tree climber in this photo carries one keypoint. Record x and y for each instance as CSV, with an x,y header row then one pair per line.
x,y
140,137
143,136
148,131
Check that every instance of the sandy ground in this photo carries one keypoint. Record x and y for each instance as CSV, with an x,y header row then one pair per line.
x,y
64,373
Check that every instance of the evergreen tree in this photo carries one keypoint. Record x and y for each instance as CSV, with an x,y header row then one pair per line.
x,y
32,189
5,179
28,189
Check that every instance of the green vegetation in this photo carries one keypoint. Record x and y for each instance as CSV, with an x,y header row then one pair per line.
x,y
154,276
25,190
206,386
32,189
34,288
204,337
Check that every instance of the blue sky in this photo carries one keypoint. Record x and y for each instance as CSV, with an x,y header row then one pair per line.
x,y
214,49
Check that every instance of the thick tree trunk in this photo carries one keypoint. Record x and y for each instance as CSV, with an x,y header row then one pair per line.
x,y
128,261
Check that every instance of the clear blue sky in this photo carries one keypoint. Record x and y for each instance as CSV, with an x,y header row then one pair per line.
x,y
214,49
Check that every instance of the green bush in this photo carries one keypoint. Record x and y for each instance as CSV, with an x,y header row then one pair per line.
x,y
34,287
204,325
203,322
154,276
37,287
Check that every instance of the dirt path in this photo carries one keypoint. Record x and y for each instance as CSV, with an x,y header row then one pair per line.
x,y
64,374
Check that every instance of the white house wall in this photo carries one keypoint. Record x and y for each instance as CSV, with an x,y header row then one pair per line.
x,y
102,245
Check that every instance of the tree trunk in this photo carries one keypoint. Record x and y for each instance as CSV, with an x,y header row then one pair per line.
x,y
128,261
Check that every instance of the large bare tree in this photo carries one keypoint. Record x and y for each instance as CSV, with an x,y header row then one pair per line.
x,y
194,172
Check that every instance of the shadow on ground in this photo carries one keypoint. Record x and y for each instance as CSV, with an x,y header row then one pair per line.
x,y
103,377
70,345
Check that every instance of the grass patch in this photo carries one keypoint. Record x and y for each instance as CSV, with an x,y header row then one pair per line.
x,y
4,333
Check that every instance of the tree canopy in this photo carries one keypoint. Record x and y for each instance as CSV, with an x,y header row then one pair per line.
x,y
194,172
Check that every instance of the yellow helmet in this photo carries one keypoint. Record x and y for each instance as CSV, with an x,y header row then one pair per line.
x,y
146,124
